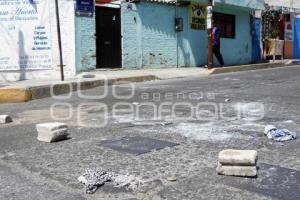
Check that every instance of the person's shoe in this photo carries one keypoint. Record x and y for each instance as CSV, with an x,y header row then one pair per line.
x,y
206,66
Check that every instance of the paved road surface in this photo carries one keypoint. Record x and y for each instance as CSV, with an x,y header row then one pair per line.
x,y
203,115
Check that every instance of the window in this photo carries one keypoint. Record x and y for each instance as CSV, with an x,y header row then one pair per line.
x,y
226,24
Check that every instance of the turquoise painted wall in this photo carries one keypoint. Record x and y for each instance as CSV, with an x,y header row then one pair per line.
x,y
85,43
237,50
192,44
150,40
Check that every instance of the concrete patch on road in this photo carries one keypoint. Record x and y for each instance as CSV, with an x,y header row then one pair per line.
x,y
125,118
212,131
40,116
89,116
250,111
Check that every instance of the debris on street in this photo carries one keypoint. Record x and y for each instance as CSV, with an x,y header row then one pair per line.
x,y
171,178
52,132
279,135
128,181
94,178
166,123
88,76
4,119
237,163
151,123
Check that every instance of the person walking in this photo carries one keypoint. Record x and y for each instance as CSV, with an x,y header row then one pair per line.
x,y
216,34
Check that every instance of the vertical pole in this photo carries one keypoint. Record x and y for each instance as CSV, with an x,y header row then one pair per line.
x,y
177,59
210,43
59,42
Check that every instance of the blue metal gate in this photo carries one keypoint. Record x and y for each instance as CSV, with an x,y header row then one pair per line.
x,y
297,37
256,50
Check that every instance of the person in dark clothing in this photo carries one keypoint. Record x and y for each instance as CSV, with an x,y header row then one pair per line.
x,y
217,43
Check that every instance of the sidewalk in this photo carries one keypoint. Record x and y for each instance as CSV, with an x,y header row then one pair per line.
x,y
22,91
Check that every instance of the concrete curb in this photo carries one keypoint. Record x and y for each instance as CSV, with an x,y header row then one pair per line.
x,y
14,95
24,94
241,68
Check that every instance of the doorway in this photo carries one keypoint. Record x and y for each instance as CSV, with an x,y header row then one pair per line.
x,y
108,34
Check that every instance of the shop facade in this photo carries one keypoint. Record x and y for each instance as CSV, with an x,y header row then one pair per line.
x,y
120,34
281,21
142,34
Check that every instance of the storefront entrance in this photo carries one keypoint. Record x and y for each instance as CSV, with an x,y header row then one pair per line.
x,y
108,33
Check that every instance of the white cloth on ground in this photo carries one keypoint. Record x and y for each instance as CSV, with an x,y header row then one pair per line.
x,y
279,135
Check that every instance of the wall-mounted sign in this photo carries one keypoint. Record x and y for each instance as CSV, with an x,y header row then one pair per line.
x,y
209,17
289,32
25,35
290,10
85,8
198,14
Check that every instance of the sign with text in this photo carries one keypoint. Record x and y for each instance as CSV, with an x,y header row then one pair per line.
x,y
289,32
198,14
25,35
85,7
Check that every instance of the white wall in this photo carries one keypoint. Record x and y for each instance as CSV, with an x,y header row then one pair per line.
x,y
68,43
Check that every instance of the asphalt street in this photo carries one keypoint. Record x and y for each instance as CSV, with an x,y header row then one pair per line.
x,y
201,116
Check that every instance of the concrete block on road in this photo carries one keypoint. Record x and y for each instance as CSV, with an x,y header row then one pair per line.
x,y
52,126
4,119
238,157
52,132
245,171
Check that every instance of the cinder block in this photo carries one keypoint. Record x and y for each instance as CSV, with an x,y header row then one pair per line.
x,y
4,119
246,171
52,132
52,126
53,136
238,157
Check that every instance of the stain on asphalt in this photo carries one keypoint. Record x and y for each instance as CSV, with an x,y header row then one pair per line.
x,y
273,180
136,145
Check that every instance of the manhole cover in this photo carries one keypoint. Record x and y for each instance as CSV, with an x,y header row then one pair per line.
x,y
274,181
136,145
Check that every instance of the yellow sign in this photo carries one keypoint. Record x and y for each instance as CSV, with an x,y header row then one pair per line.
x,y
198,14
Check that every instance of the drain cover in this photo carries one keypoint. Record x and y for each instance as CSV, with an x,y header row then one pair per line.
x,y
136,145
274,181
